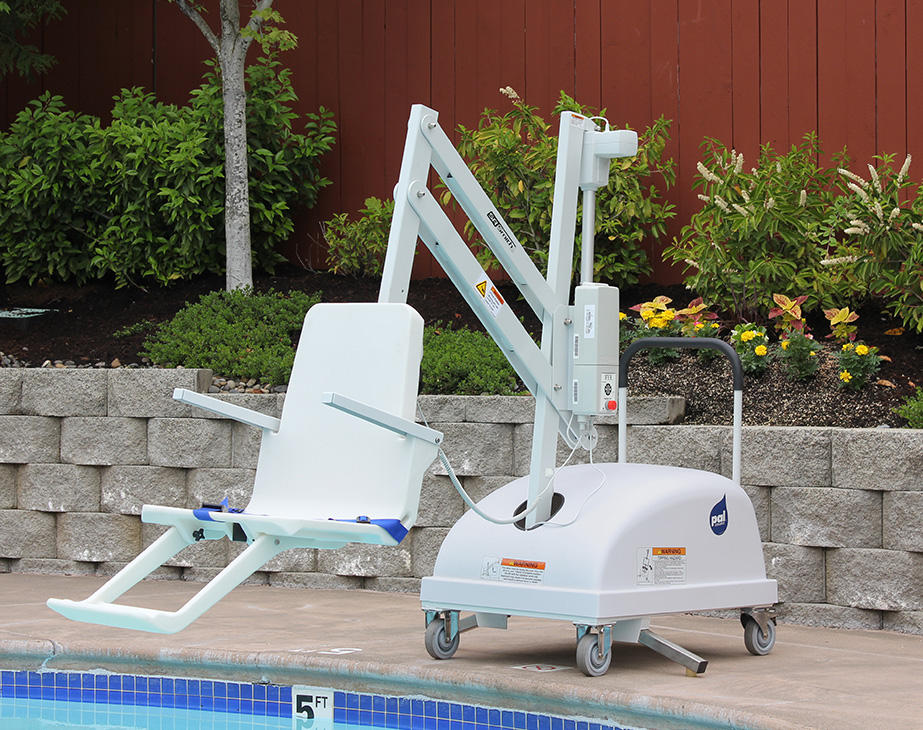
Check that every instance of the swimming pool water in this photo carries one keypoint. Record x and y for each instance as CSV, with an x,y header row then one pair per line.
x,y
33,700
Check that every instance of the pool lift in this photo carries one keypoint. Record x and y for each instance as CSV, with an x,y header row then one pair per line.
x,y
605,546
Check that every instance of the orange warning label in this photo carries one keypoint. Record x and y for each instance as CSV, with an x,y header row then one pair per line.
x,y
532,564
668,551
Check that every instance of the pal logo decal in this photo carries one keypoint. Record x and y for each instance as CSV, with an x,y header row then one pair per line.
x,y
718,520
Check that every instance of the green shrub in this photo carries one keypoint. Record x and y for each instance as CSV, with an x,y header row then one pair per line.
x,y
358,247
752,345
143,198
513,158
857,363
799,355
912,409
463,362
238,334
759,231
876,233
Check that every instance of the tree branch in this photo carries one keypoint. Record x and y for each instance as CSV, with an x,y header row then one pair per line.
x,y
255,23
193,15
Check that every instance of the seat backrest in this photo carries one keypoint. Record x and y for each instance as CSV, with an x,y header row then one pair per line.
x,y
324,463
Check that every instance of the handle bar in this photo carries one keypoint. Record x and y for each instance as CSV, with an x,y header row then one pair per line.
x,y
696,343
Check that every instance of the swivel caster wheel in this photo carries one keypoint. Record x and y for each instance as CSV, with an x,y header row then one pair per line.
x,y
588,659
437,643
757,643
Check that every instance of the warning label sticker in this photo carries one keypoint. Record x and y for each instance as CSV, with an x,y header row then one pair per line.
x,y
510,570
492,299
661,566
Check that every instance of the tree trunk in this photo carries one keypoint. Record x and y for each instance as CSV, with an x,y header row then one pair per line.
x,y
236,195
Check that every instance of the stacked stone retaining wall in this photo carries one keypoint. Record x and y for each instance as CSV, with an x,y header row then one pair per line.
x,y
840,510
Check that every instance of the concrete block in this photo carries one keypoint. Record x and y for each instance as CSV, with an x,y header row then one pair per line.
x,y
426,544
10,390
7,486
499,409
443,408
393,585
902,521
205,553
211,486
649,411
880,580
297,560
204,575
148,392
480,487
316,581
889,459
64,392
904,622
693,447
30,440
826,517
98,537
761,497
164,572
606,449
477,449
798,570
27,534
53,566
126,489
104,441
269,404
189,442
245,445
440,503
59,488
784,457
368,560
833,617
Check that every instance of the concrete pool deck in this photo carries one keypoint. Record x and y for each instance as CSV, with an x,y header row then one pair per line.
x,y
369,641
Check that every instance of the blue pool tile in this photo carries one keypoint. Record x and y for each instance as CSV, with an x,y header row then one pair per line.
x,y
365,702
469,713
557,723
405,722
391,705
378,719
456,711
246,691
378,703
531,721
352,701
246,707
365,717
259,692
272,693
352,717
570,724
442,710
285,695
339,714
506,718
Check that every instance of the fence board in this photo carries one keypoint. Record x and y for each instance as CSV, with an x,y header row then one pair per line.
x,y
744,71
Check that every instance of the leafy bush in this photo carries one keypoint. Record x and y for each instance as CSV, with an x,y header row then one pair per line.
x,y
463,362
144,197
237,333
857,363
513,158
912,409
358,247
799,355
759,232
876,232
752,345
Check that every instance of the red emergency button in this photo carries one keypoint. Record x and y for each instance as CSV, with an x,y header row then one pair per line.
x,y
611,405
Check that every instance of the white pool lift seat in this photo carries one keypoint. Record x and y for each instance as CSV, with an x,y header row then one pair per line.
x,y
344,464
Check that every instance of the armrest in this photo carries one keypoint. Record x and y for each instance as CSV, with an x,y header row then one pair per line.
x,y
382,418
223,408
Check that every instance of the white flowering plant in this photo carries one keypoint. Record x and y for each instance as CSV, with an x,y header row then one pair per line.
x,y
876,237
758,230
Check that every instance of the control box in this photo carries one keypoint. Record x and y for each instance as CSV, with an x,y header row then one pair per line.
x,y
595,350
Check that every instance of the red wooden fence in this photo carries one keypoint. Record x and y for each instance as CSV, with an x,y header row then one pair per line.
x,y
744,71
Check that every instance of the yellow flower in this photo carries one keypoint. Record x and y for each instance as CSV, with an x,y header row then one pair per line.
x,y
845,376
847,346
699,326
761,350
647,314
747,336
862,350
784,344
668,314
622,316
714,325
812,353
